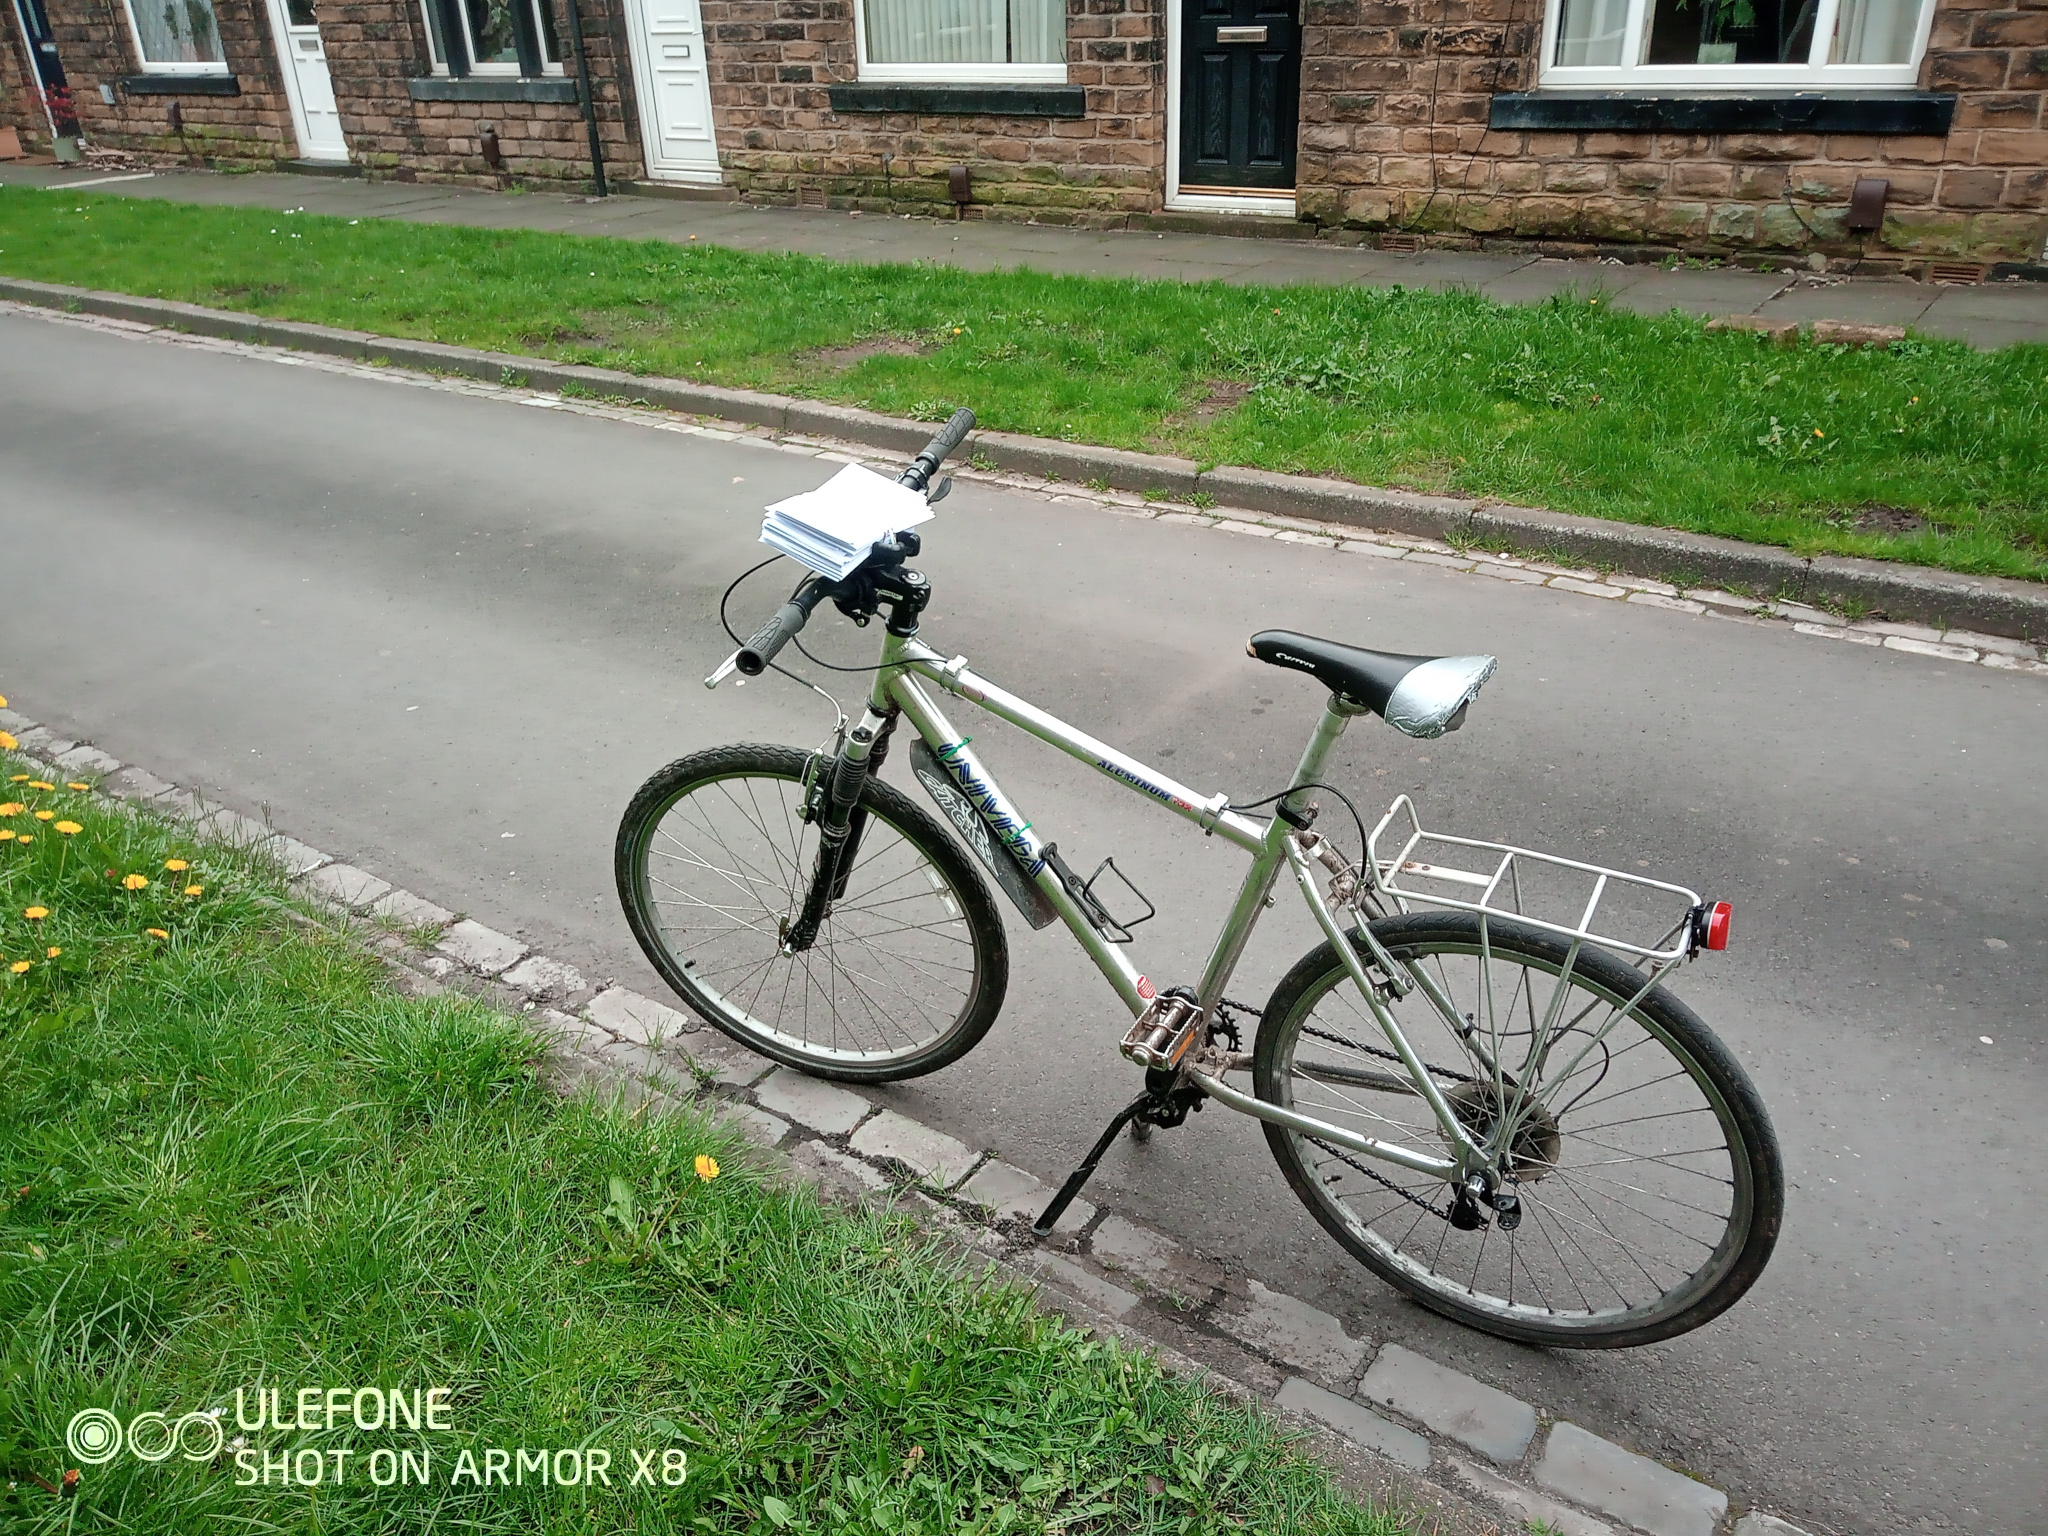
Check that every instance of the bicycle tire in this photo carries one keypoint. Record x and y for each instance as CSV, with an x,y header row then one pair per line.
x,y
772,778
1541,1151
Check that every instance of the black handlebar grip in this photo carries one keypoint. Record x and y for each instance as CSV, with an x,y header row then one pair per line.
x,y
926,464
753,657
951,436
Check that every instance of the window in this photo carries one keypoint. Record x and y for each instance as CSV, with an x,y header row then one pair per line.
x,y
495,37
177,37
1024,41
1796,43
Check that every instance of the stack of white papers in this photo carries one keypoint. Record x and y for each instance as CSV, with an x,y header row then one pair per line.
x,y
832,528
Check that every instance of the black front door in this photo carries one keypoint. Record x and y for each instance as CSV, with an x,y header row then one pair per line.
x,y
1240,89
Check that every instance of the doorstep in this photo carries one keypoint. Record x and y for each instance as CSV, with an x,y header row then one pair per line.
x,y
320,167
678,191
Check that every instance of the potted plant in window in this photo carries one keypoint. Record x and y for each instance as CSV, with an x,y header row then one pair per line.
x,y
1717,19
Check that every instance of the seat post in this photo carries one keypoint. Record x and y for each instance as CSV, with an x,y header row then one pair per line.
x,y
1336,715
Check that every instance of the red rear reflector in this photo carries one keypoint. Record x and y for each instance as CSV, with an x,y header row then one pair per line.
x,y
1717,924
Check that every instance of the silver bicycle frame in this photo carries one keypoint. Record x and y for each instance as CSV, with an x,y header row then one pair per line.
x,y
1271,846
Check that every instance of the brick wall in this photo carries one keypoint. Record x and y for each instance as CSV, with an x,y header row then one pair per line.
x,y
772,62
373,47
97,47
1394,110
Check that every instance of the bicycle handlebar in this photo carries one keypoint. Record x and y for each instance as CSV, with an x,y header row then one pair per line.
x,y
753,657
927,463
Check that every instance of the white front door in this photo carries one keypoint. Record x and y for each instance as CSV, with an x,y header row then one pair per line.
x,y
307,84
675,90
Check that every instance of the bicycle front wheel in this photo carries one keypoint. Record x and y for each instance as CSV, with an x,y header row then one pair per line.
x,y
1646,1168
909,967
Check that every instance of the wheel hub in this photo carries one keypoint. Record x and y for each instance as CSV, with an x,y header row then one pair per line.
x,y
1538,1142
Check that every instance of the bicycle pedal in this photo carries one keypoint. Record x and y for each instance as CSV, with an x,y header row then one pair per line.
x,y
1164,1033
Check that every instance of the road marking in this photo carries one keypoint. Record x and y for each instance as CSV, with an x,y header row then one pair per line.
x,y
100,181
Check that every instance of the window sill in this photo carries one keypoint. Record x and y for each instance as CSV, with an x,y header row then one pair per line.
x,y
961,100
181,85
490,88
1925,113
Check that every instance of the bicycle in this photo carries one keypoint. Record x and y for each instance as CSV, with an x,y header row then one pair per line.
x,y
1503,1114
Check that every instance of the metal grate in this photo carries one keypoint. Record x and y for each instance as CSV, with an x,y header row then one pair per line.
x,y
810,197
1406,245
1966,272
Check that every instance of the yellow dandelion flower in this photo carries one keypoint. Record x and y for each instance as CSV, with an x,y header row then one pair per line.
x,y
707,1167
52,952
3,701
12,808
19,778
26,839
7,742
35,914
195,890
78,784
6,837
44,815
1818,433
40,784
69,828
176,864
18,967
157,933
134,882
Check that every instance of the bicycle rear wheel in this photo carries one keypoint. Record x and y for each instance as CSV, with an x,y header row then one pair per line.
x,y
1648,1174
910,964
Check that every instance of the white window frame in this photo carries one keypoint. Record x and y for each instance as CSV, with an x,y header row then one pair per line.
x,y
1691,77
497,69
178,67
956,74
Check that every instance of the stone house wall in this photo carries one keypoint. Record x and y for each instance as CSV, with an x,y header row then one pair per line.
x,y
779,137
1395,105
373,48
98,48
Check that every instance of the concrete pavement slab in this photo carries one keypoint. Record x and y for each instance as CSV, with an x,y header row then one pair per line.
x,y
1401,1446
1488,1420
930,1154
1632,1488
824,1107
1888,301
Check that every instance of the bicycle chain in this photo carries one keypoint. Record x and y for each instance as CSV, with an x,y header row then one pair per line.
x,y
1381,1179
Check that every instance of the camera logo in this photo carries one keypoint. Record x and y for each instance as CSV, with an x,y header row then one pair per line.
x,y
94,1436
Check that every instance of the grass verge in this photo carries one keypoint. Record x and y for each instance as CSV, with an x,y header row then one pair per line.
x,y
231,1158
1924,451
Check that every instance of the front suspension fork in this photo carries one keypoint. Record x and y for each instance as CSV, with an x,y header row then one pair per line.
x,y
841,820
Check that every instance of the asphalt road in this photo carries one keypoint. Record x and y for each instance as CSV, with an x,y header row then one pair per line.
x,y
444,637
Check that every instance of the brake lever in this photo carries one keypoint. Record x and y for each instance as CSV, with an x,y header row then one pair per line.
x,y
939,492
726,669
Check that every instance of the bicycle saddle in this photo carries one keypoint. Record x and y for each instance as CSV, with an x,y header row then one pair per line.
x,y
1421,696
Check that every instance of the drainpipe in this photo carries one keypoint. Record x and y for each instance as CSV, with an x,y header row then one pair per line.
x,y
589,102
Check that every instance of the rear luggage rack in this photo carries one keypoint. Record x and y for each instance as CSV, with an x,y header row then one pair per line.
x,y
1575,900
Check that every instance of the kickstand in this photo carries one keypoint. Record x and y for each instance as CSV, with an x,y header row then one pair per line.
x,y
1050,1216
